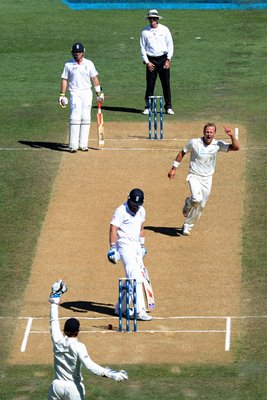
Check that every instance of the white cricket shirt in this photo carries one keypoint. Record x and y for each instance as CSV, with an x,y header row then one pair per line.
x,y
128,223
203,157
79,75
156,42
69,353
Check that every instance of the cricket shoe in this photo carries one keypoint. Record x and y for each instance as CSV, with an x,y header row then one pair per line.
x,y
186,230
146,111
117,312
187,206
144,317
84,149
73,151
170,111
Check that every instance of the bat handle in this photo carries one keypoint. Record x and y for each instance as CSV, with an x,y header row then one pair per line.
x,y
99,106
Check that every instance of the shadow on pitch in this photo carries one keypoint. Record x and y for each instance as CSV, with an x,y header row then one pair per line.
x,y
45,145
121,109
163,230
50,146
86,306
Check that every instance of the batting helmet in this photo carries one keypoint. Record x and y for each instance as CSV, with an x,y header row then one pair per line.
x,y
136,196
77,48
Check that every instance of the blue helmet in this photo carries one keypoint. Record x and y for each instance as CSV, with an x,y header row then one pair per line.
x,y
136,197
78,48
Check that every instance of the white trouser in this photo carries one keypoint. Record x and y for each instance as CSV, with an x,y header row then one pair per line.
x,y
80,119
200,187
66,390
131,257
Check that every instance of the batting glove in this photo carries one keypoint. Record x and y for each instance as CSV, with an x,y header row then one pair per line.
x,y
100,97
58,288
144,251
62,100
116,375
113,255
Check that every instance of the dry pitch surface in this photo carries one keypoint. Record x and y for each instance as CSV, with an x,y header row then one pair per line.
x,y
196,276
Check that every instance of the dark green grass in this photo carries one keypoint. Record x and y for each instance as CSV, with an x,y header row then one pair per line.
x,y
221,77
165,382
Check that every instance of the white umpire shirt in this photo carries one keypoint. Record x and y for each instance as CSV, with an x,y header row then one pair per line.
x,y
203,157
128,224
69,353
156,42
79,75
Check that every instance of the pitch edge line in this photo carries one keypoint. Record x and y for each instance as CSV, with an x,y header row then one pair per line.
x,y
228,334
26,335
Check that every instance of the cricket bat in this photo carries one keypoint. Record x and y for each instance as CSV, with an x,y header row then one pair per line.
x,y
147,287
100,125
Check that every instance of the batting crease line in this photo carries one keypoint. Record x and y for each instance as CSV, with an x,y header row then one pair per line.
x,y
158,318
148,331
125,149
227,331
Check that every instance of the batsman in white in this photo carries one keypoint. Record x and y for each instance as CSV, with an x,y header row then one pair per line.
x,y
127,242
70,355
77,76
203,153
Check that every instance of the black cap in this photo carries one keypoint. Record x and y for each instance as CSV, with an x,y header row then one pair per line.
x,y
77,48
136,196
72,325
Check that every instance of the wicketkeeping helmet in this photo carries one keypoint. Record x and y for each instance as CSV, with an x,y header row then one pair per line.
x,y
72,325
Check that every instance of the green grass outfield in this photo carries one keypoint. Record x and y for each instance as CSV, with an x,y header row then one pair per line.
x,y
221,77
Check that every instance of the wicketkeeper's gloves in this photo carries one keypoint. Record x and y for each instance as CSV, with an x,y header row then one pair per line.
x,y
116,375
58,288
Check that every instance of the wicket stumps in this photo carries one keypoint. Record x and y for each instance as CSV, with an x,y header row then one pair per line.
x,y
153,103
129,286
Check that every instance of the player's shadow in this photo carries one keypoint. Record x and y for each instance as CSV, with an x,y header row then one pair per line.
x,y
121,109
163,230
45,145
86,306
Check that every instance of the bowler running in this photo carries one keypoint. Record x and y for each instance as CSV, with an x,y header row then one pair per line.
x,y
203,153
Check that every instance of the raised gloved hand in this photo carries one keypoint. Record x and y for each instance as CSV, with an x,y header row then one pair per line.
x,y
58,288
100,97
113,255
62,100
144,251
116,375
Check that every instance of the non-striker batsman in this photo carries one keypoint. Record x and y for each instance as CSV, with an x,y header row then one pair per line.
x,y
77,76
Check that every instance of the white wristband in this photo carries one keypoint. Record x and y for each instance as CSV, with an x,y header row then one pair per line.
x,y
175,164
142,240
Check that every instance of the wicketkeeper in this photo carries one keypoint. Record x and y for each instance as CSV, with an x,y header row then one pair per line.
x,y
70,355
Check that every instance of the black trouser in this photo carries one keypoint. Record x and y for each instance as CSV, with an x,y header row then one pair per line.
x,y
164,76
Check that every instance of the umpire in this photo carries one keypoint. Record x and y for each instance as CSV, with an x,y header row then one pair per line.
x,y
156,51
